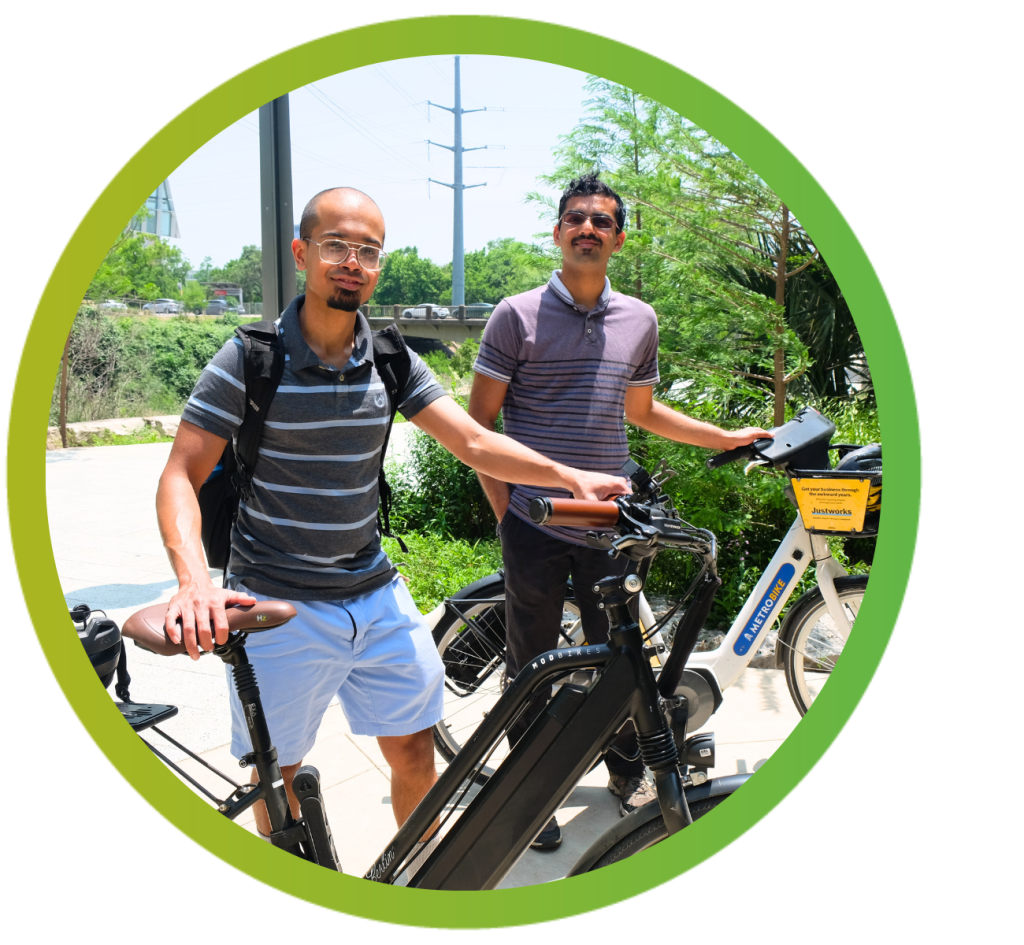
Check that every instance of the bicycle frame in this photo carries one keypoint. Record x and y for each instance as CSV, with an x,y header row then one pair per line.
x,y
570,735
767,600
759,613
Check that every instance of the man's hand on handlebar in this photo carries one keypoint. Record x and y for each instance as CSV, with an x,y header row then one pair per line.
x,y
200,608
744,437
589,485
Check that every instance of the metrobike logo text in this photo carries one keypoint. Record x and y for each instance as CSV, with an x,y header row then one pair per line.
x,y
764,613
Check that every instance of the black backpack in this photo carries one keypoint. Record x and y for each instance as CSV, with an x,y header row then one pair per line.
x,y
231,479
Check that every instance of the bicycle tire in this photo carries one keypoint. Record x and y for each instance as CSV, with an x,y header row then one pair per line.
x,y
471,643
809,643
647,835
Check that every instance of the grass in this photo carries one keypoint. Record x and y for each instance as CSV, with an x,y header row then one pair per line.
x,y
107,438
437,566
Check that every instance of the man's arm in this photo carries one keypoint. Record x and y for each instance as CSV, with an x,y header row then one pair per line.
x,y
197,602
505,459
485,400
644,411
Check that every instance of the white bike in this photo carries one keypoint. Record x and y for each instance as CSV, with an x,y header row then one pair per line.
x,y
469,627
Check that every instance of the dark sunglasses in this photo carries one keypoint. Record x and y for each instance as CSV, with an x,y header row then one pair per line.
x,y
575,218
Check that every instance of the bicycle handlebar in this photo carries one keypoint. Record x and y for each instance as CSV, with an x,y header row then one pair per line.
x,y
580,513
730,456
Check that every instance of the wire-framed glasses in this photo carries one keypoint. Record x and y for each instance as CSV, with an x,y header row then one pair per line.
x,y
338,251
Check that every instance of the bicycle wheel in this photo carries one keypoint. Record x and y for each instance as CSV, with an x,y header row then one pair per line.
x,y
647,835
470,639
809,641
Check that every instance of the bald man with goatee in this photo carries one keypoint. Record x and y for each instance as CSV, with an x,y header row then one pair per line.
x,y
308,533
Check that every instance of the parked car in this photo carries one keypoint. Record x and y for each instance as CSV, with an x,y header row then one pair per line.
x,y
162,307
420,311
221,306
113,303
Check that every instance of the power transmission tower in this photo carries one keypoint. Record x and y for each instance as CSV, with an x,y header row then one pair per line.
x,y
458,243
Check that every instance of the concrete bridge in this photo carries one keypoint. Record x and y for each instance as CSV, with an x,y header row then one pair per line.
x,y
458,327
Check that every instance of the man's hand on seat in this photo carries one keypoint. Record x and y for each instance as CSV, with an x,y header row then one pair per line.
x,y
200,609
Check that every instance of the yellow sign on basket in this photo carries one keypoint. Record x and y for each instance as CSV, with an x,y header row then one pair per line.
x,y
833,505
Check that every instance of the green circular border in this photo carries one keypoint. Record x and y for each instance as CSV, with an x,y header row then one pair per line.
x,y
443,36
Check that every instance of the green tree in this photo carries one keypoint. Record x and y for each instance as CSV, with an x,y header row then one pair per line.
x,y
406,279
246,271
140,266
697,210
193,296
505,267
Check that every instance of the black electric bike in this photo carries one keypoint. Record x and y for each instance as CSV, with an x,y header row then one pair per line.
x,y
602,686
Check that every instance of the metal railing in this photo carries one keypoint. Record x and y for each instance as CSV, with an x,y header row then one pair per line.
x,y
460,313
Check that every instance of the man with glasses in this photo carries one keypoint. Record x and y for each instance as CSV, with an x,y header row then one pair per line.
x,y
308,532
564,363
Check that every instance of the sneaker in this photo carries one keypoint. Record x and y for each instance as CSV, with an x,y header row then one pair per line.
x,y
633,792
548,838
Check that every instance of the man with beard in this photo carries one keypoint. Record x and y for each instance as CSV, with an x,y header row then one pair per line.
x,y
563,363
308,532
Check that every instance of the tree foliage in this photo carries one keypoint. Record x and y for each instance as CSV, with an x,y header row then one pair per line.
x,y
408,279
122,366
503,267
698,217
140,266
246,271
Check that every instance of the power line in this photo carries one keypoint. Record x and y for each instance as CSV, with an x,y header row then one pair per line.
x,y
329,103
401,91
332,163
387,128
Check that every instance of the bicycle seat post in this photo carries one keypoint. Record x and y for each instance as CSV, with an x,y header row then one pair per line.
x,y
263,756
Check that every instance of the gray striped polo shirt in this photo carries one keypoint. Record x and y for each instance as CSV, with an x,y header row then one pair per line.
x,y
310,531
567,372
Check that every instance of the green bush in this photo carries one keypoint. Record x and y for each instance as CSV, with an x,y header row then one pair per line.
x,y
435,492
124,366
749,514
438,566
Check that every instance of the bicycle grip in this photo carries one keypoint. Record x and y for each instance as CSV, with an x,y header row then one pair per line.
x,y
580,513
730,456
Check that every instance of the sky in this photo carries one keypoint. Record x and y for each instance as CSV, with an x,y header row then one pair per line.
x,y
368,129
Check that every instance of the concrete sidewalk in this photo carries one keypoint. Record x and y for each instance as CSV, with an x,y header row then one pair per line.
x,y
109,555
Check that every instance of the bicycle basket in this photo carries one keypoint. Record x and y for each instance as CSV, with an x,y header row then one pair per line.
x,y
845,500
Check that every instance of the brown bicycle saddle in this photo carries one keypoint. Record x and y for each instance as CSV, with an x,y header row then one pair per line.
x,y
146,626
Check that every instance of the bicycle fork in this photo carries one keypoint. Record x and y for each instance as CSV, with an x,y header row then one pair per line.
x,y
654,735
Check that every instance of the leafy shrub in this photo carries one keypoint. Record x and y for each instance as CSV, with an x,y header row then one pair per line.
x,y
438,566
749,514
435,492
123,366
461,362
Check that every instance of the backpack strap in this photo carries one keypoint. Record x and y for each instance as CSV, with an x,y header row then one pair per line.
x,y
393,364
263,366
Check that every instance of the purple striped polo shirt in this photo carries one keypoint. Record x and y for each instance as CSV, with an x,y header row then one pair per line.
x,y
567,372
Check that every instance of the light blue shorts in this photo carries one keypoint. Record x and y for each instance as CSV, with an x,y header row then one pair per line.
x,y
375,652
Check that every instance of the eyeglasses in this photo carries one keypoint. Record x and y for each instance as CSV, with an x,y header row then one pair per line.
x,y
575,218
333,252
